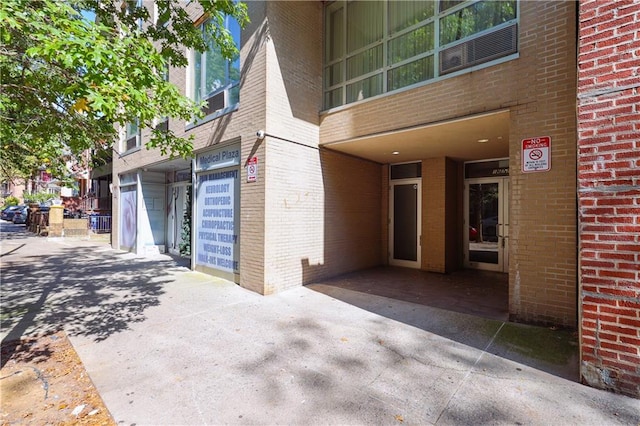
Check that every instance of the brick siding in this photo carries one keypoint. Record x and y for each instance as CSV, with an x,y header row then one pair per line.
x,y
609,194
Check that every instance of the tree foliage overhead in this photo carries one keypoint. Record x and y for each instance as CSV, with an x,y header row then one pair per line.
x,y
66,80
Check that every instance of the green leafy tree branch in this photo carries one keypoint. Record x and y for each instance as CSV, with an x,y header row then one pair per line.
x,y
67,82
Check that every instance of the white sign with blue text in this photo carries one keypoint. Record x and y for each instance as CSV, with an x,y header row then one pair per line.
x,y
218,158
217,207
216,227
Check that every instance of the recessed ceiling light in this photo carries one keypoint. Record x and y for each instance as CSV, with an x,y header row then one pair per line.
x,y
483,140
395,152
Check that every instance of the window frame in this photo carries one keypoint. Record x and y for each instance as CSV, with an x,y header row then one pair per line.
x,y
435,20
126,136
225,90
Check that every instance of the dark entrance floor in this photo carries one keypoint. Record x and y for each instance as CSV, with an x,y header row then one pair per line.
x,y
474,292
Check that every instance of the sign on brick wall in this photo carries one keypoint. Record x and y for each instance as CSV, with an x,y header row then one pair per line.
x,y
252,169
536,154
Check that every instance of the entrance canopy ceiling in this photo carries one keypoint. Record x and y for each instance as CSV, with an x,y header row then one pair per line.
x,y
471,138
169,166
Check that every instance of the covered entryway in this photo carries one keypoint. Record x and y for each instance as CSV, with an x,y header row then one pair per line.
x,y
427,207
152,207
436,252
480,293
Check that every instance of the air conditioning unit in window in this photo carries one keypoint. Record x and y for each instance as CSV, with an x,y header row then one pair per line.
x,y
454,58
214,103
132,142
163,125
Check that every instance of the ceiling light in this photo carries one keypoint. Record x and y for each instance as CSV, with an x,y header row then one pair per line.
x,y
483,140
395,152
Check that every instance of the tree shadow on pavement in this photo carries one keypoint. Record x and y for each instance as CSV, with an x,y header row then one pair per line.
x,y
549,349
390,374
78,289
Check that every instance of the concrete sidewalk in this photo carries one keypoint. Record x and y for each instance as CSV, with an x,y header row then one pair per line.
x,y
165,345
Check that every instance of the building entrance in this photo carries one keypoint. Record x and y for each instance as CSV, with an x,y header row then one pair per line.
x,y
405,224
404,214
177,206
486,218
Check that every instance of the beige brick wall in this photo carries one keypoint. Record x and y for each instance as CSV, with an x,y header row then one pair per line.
x,y
543,205
384,215
433,214
321,208
453,215
539,90
323,215
440,215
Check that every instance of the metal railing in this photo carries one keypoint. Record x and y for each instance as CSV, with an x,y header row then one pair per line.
x,y
100,224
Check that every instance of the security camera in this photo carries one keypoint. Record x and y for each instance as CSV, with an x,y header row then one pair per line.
x,y
260,134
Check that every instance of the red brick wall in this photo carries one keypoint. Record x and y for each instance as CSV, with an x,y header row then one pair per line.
x,y
609,193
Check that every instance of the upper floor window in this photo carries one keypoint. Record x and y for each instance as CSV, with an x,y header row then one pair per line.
x,y
134,7
132,137
374,47
162,123
215,79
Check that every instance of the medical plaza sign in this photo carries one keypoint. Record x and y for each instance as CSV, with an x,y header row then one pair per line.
x,y
536,154
218,158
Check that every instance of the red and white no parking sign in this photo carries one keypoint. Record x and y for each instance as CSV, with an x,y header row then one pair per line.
x,y
252,169
536,154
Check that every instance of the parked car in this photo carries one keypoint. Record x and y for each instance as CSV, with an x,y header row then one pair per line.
x,y
473,234
490,229
7,214
20,215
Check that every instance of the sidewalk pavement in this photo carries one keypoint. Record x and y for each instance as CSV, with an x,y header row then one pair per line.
x,y
166,345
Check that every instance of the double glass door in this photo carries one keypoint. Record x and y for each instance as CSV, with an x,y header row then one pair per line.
x,y
487,224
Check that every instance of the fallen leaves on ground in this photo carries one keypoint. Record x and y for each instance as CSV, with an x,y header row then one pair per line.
x,y
42,381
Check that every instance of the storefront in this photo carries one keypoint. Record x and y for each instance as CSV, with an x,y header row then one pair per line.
x,y
216,220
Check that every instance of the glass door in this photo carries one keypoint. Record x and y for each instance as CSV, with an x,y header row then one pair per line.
x,y
404,232
175,216
487,224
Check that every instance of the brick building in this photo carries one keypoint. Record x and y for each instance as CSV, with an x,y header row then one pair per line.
x,y
609,193
429,135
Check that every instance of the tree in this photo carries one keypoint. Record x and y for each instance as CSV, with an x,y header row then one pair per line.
x,y
67,82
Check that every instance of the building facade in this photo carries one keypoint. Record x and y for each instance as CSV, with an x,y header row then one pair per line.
x,y
430,135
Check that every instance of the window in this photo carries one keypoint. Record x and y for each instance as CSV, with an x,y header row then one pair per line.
x,y
215,79
132,136
162,123
374,47
406,171
134,7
